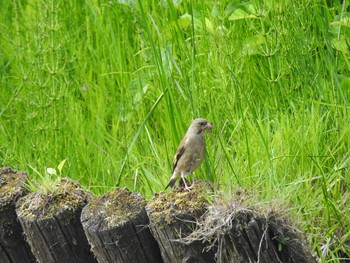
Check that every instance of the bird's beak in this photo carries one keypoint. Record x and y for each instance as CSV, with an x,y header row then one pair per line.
x,y
208,127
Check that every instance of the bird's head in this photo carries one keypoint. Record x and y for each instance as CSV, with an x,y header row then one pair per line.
x,y
200,125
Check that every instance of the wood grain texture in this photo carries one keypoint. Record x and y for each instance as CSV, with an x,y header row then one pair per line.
x,y
51,223
116,226
259,238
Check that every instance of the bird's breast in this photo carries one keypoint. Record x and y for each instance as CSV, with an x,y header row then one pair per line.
x,y
193,156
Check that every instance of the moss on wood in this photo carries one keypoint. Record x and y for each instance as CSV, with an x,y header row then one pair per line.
x,y
68,195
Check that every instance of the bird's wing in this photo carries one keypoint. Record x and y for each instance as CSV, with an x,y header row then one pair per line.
x,y
179,152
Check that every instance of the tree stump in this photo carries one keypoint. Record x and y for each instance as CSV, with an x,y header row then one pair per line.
x,y
51,223
13,247
173,217
116,226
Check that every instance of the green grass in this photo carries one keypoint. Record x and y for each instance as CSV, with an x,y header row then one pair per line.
x,y
112,87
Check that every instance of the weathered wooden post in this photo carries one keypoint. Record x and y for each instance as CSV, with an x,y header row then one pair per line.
x,y
13,247
257,237
243,234
51,223
116,225
173,217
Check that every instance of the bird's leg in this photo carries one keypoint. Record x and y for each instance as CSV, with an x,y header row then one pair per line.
x,y
183,179
192,185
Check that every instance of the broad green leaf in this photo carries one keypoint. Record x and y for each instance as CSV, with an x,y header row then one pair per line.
x,y
185,20
252,45
241,14
60,166
215,11
342,44
341,20
51,171
209,25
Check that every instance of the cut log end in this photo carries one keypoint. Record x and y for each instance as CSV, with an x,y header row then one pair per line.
x,y
11,185
116,226
67,195
51,223
173,217
164,206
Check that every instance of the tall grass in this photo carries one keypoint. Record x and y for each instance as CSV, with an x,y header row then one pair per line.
x,y
111,86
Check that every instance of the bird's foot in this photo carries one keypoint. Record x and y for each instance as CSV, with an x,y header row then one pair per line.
x,y
185,185
188,188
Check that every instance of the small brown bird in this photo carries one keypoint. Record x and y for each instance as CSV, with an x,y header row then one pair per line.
x,y
190,152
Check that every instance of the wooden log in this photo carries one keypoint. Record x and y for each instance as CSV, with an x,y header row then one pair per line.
x,y
173,217
13,247
248,236
116,225
290,244
51,223
243,234
258,237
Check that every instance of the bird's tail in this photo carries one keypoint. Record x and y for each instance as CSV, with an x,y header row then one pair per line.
x,y
171,182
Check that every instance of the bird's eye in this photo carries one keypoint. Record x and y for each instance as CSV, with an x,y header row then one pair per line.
x,y
203,123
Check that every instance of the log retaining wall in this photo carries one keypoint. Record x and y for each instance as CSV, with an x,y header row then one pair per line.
x,y
72,225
